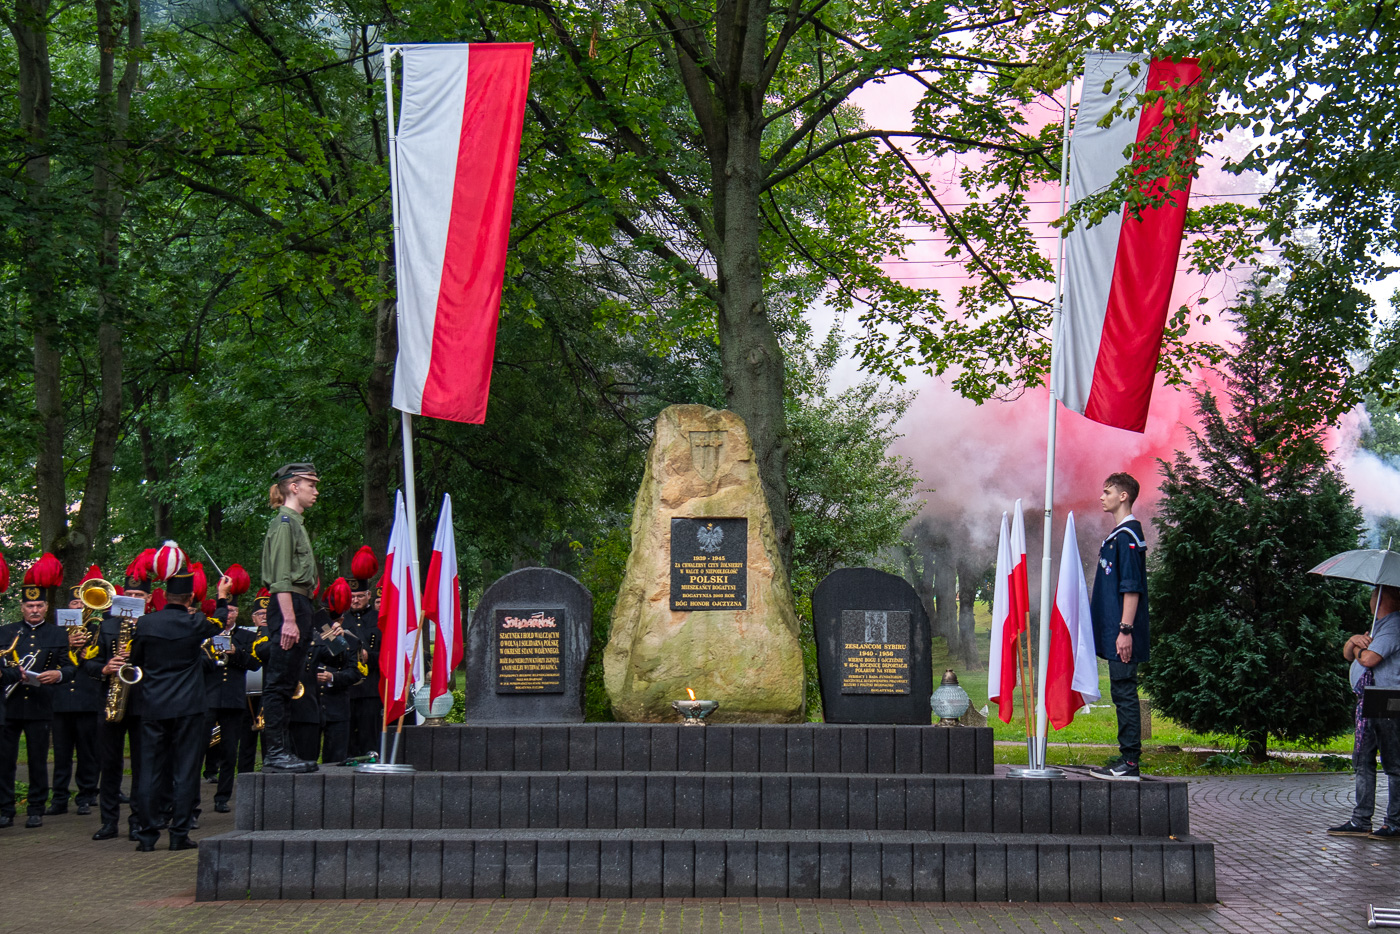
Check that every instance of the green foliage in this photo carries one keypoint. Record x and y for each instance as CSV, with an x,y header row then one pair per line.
x,y
1244,641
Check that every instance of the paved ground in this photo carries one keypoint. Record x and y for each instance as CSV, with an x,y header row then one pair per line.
x,y
1276,871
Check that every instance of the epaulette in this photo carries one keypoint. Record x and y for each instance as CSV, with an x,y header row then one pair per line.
x,y
364,669
286,518
254,650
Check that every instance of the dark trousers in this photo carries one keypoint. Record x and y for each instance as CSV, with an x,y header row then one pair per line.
x,y
75,736
36,740
249,738
335,741
1380,736
366,723
175,745
225,754
1123,688
284,666
111,743
306,740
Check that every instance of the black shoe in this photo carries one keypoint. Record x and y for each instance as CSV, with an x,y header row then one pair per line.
x,y
34,820
1385,832
131,835
211,779
144,847
123,799
194,823
54,809
222,807
7,820
286,762
1124,771
184,843
1350,829
106,832
84,809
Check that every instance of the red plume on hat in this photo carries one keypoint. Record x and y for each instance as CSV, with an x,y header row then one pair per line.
x,y
338,596
168,561
158,601
208,606
142,566
46,572
239,581
201,580
263,592
364,565
94,573
4,574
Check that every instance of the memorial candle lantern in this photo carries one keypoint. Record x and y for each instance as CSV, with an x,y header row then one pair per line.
x,y
694,711
950,701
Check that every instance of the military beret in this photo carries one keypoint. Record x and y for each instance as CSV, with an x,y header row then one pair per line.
x,y
300,469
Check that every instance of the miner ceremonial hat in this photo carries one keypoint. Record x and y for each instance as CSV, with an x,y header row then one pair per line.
x,y
261,601
302,470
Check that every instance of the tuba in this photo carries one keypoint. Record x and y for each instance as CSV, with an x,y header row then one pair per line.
x,y
96,596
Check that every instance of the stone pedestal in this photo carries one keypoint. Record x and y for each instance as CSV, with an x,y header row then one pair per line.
x,y
705,603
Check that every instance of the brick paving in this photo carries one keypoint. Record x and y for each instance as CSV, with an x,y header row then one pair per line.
x,y
1276,871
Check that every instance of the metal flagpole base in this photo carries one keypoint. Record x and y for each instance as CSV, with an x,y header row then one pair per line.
x,y
385,768
1029,772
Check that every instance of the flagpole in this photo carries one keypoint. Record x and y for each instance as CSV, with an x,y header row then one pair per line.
x,y
1038,752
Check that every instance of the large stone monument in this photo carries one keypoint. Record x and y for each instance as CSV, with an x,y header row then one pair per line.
x,y
873,638
526,648
705,603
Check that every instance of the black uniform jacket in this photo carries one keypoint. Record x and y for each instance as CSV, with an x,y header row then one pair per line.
x,y
49,645
364,625
169,649
8,676
226,685
345,674
106,647
83,692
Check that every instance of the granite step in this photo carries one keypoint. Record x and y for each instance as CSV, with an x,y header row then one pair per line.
x,y
340,799
670,747
651,863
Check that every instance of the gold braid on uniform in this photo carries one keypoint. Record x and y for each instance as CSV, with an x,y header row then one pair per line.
x,y
254,650
364,669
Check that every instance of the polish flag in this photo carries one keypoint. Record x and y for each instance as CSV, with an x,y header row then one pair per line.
x,y
1020,577
455,161
1007,626
442,603
1072,671
1119,273
398,619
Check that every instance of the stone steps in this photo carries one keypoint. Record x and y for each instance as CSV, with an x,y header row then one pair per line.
x,y
339,799
671,747
632,863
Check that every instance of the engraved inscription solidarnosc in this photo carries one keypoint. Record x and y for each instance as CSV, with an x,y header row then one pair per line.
x,y
530,651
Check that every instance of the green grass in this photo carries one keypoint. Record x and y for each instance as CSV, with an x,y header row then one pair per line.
x,y
1100,725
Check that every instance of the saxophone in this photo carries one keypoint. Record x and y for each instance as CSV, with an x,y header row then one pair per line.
x,y
119,684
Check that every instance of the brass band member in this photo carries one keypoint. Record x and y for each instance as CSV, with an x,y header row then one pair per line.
x,y
169,650
113,735
289,571
362,622
77,705
257,651
226,670
42,648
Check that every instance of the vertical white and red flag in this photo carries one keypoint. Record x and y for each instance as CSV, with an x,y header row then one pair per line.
x,y
455,158
1119,273
442,603
1072,670
398,619
1007,624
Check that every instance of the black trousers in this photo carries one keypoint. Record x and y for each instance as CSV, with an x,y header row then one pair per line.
x,y
248,739
1123,688
75,736
366,723
176,744
335,741
284,666
225,755
111,743
306,740
36,740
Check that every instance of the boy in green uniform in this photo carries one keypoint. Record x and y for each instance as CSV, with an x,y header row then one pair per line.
x,y
289,573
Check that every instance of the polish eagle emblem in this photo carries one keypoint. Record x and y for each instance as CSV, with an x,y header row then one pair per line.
x,y
709,537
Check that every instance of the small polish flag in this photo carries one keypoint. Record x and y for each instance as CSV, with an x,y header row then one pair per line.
x,y
1072,671
1119,273
398,619
1007,626
455,159
442,603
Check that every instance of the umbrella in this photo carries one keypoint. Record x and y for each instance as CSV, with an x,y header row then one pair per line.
x,y
1367,565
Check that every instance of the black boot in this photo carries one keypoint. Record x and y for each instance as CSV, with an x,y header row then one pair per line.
x,y
106,832
279,757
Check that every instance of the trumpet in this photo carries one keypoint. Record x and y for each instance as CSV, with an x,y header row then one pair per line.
x,y
23,664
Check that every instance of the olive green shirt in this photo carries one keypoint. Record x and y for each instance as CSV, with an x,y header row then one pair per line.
x,y
288,565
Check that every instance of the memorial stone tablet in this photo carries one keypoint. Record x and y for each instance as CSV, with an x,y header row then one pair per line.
x,y
709,564
526,647
873,640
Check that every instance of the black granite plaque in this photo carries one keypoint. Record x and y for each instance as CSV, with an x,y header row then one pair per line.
x,y
530,651
873,638
512,679
875,651
709,564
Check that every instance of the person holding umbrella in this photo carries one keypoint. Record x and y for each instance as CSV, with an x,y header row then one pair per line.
x,y
1375,661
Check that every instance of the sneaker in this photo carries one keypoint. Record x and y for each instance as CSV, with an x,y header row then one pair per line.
x,y
1123,771
1385,832
1350,829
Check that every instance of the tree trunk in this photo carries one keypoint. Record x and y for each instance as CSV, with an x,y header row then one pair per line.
x,y
945,587
967,622
160,510
379,429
